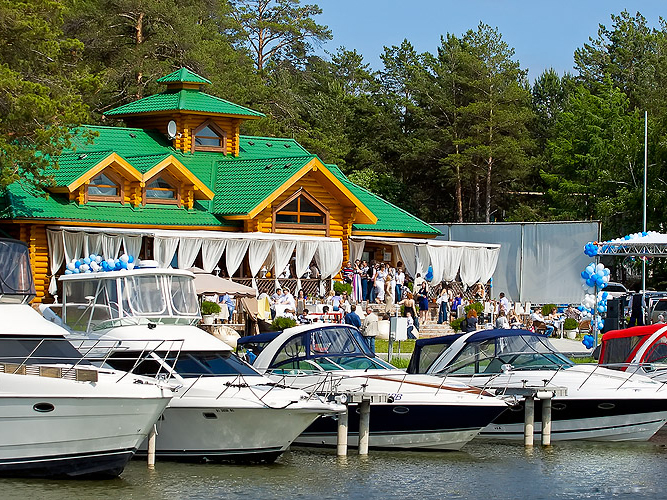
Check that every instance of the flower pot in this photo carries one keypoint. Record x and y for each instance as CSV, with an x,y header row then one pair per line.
x,y
207,319
571,334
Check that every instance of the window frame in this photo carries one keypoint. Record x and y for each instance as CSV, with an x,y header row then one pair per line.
x,y
324,212
217,129
113,177
170,179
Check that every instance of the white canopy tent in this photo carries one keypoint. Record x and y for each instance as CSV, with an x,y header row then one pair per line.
x,y
475,262
67,243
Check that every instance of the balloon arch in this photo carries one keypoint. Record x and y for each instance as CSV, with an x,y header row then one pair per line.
x,y
595,277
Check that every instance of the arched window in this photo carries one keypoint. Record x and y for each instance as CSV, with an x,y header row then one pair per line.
x,y
162,188
301,211
105,187
209,137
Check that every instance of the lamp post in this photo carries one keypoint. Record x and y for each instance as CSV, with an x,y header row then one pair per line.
x,y
644,221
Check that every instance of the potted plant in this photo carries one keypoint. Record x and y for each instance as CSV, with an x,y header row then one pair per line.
x,y
208,310
570,328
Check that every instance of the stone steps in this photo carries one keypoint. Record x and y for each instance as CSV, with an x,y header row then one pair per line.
x,y
435,330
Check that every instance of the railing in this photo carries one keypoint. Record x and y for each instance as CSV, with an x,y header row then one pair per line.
x,y
310,287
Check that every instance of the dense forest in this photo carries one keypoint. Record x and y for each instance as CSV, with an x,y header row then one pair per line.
x,y
457,134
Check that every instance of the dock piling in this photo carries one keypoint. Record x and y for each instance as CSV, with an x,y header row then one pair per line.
x,y
341,448
364,426
152,437
529,421
546,397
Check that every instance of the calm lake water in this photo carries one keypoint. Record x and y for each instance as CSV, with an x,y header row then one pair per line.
x,y
483,470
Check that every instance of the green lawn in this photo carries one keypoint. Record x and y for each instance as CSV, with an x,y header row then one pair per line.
x,y
405,346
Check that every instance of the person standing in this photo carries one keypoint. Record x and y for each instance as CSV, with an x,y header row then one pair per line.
x,y
356,282
408,304
502,322
636,310
370,328
422,300
352,318
380,277
443,305
504,303
372,270
400,281
364,280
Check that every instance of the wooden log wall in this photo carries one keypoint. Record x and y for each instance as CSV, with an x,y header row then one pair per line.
x,y
185,124
35,236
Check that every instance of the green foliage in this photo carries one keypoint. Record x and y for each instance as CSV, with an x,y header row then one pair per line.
x,y
570,324
546,309
340,287
281,323
477,306
208,307
40,79
456,324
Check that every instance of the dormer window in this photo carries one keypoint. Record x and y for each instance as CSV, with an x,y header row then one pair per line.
x,y
162,188
301,211
209,137
159,189
105,187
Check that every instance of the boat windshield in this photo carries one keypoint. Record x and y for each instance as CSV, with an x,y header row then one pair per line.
x,y
16,284
617,351
102,302
521,352
186,364
38,351
326,349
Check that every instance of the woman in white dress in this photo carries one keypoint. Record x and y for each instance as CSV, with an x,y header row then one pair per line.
x,y
380,277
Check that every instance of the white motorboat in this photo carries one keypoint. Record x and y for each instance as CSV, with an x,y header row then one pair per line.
x,y
599,404
225,409
61,416
421,411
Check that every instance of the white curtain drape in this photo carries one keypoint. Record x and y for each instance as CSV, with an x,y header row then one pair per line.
x,y
258,251
423,259
92,243
329,257
305,251
356,249
56,255
236,250
408,253
282,253
111,245
132,245
449,258
73,243
164,249
490,262
471,270
211,251
188,249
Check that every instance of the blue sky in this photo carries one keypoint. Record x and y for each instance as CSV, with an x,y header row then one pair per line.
x,y
544,33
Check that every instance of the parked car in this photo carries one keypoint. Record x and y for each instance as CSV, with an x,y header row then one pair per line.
x,y
659,307
616,290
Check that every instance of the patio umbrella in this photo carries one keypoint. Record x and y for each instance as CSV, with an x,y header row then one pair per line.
x,y
208,283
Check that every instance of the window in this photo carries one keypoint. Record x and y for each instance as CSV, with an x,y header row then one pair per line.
x,y
104,188
301,211
209,137
159,190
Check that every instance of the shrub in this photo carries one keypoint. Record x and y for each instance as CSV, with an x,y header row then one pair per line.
x,y
340,287
208,307
546,309
477,306
570,324
281,323
456,324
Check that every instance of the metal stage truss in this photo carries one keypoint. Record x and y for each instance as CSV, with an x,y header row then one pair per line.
x,y
629,248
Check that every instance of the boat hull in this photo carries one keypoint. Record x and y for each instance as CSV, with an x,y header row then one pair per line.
x,y
408,426
205,433
81,436
586,419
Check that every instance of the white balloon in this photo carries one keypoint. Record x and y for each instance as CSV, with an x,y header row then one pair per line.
x,y
600,267
124,257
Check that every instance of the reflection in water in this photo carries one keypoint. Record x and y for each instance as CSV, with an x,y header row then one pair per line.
x,y
499,471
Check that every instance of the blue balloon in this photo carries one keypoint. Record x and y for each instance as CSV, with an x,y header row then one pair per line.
x,y
76,271
605,295
67,271
123,264
77,264
590,282
86,260
584,274
130,258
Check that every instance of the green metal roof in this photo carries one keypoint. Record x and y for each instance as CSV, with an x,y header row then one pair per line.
x,y
17,203
74,165
390,217
269,147
243,184
183,100
183,75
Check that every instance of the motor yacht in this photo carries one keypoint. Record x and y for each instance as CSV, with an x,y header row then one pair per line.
x,y
60,415
421,411
599,404
640,349
224,410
